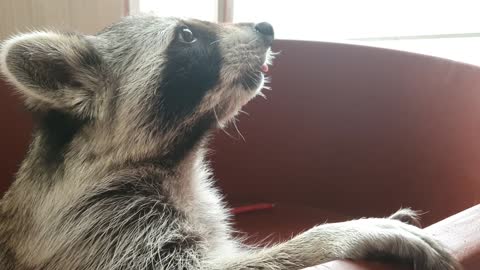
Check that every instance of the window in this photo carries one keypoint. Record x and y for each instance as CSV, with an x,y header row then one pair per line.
x,y
199,9
444,28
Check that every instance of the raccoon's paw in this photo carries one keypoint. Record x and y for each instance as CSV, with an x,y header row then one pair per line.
x,y
408,216
387,237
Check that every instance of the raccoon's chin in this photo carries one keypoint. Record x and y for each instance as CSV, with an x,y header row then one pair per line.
x,y
260,84
250,80
227,115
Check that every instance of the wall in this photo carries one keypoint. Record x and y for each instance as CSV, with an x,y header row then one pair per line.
x,y
86,16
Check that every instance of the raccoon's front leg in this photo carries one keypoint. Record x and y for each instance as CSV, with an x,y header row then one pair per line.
x,y
357,239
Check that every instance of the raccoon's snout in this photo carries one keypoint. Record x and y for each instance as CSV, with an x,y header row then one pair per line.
x,y
266,32
248,55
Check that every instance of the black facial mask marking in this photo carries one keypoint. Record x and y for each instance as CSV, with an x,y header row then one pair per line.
x,y
191,70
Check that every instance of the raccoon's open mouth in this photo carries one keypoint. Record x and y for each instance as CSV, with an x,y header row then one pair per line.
x,y
268,59
264,68
253,78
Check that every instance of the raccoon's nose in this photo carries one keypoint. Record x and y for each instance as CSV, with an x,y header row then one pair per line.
x,y
266,30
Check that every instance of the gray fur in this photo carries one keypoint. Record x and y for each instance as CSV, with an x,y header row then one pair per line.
x,y
112,182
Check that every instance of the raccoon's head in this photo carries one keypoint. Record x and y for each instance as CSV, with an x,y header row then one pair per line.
x,y
144,87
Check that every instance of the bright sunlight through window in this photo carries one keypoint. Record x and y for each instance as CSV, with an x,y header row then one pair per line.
x,y
449,29
199,9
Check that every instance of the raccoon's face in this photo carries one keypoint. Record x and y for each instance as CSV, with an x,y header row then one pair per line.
x,y
143,81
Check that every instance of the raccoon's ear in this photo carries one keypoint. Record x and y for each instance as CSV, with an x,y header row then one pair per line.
x,y
53,70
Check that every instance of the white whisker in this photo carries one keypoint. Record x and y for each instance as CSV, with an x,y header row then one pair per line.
x,y
238,131
262,95
220,126
244,112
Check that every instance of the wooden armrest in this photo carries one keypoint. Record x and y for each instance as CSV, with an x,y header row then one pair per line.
x,y
460,233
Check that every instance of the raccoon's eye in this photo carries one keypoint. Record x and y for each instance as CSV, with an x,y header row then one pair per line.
x,y
185,35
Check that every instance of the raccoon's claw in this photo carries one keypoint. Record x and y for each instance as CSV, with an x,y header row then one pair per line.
x,y
408,216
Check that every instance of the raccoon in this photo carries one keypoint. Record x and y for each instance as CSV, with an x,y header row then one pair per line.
x,y
116,175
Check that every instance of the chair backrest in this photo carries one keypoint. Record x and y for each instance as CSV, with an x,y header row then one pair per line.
x,y
358,129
